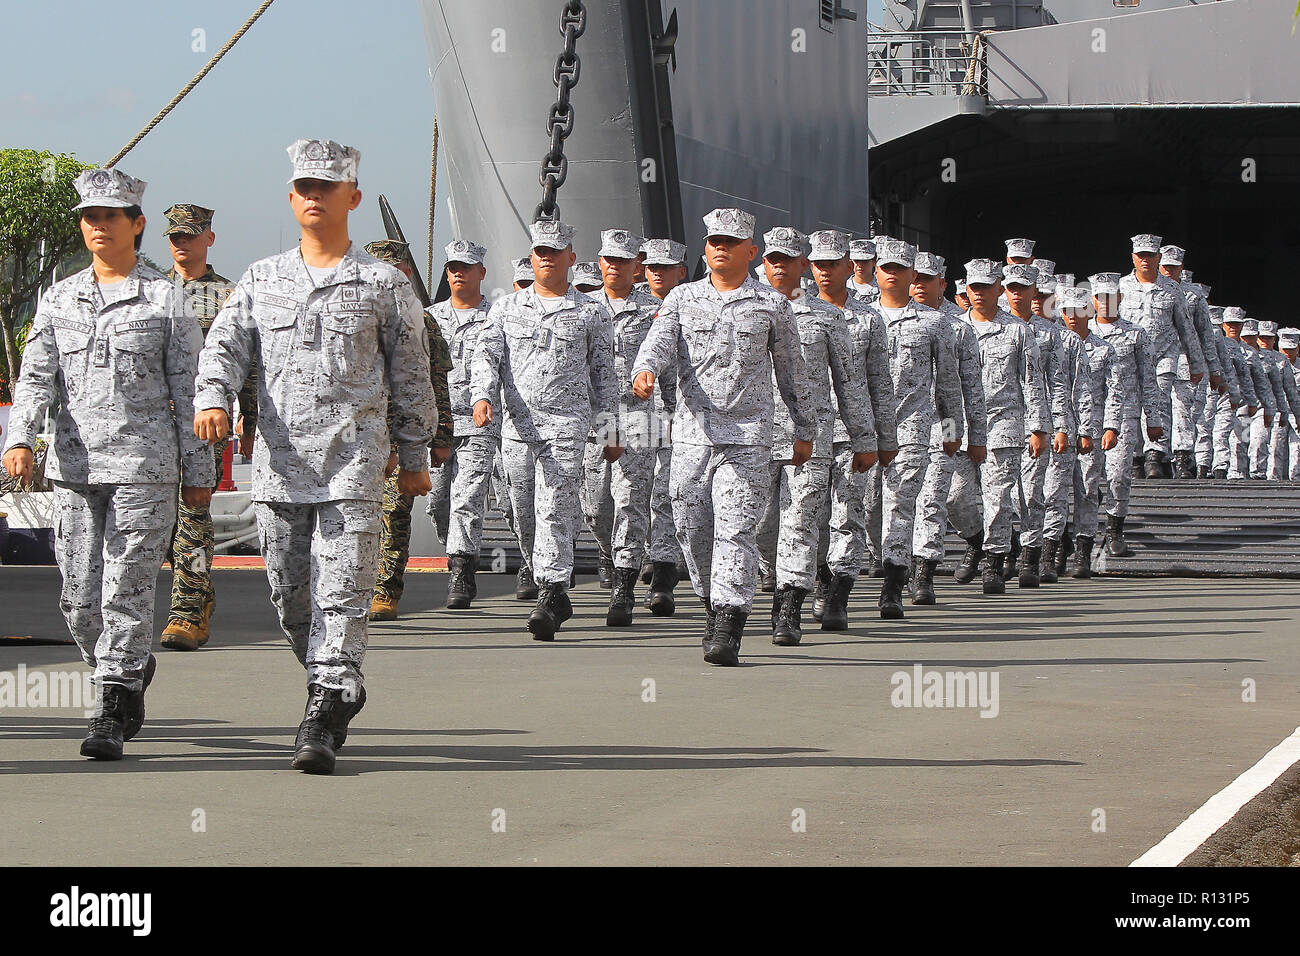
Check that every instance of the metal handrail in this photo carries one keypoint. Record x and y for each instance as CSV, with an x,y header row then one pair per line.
x,y
924,62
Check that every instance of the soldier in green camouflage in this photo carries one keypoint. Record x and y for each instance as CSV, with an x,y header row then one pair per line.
x,y
395,538
203,291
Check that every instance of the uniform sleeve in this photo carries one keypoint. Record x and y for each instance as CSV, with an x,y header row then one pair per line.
x,y
1200,312
229,351
184,341
410,382
604,385
1083,399
1263,387
947,384
1116,400
1290,390
37,382
854,405
1146,367
880,384
1037,413
1227,368
439,365
791,373
658,352
1187,334
485,366
972,387
1056,374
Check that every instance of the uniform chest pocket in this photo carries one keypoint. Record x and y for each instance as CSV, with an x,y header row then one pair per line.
x,y
997,355
462,357
700,332
71,337
627,341
750,336
567,343
138,366
275,326
348,343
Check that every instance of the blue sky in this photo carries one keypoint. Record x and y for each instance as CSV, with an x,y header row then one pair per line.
x,y
84,77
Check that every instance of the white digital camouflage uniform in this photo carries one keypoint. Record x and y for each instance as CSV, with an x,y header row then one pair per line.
x,y
1270,460
461,485
842,524
1206,410
1232,419
663,546
1255,448
932,506
551,377
1016,405
725,346
1199,441
1137,361
789,532
1098,390
332,351
1057,381
120,368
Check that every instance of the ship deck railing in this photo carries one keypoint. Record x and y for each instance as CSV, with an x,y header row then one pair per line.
x,y
941,62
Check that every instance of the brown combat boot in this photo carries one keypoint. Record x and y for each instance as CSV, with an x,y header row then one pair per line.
x,y
183,636
383,608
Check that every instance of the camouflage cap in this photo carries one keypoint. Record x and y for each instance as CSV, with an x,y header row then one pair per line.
x,y
1216,314
323,159
1234,315
983,272
828,244
392,251
1046,280
961,286
620,244
664,252
1045,267
729,222
927,263
895,251
1172,255
587,273
1185,276
187,219
1200,289
1020,274
108,187
1145,242
862,250
1266,327
1104,283
1289,338
1249,327
786,240
523,269
463,250
1019,248
1064,280
551,234
1075,298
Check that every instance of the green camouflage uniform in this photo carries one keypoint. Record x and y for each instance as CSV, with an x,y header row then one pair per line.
x,y
395,538
194,539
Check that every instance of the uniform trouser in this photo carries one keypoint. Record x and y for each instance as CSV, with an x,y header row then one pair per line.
x,y
788,535
1058,489
192,548
981,498
1183,408
597,499
842,520
1231,439
460,489
1259,442
1278,469
875,510
501,494
1293,452
900,487
321,561
1089,471
631,483
394,539
1166,373
1119,467
718,494
1203,412
932,506
663,534
544,478
110,541
1033,484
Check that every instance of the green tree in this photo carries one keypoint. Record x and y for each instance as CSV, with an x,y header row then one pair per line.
x,y
36,200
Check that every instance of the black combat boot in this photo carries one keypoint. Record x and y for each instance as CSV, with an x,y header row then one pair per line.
x,y
836,617
1082,557
1184,464
553,609
1010,565
1063,554
787,630
822,591
767,581
314,747
891,592
622,598
604,573
133,718
970,561
104,742
662,581
1202,472
910,584
1029,568
647,570
923,582
461,587
1047,564
874,568
777,597
525,586
1220,474
993,580
1152,465
723,645
346,711
1116,546
710,620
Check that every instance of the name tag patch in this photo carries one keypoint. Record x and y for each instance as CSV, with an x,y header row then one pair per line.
x,y
276,300
138,325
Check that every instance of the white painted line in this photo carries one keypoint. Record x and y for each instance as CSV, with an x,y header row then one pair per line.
x,y
1223,806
